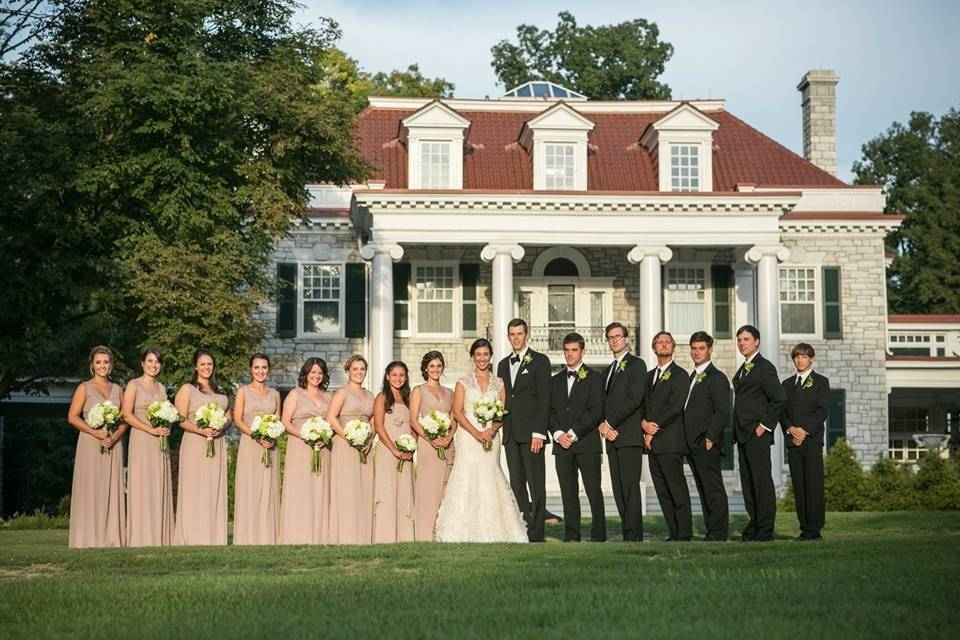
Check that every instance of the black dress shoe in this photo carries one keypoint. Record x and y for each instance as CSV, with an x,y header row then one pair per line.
x,y
808,538
763,539
747,538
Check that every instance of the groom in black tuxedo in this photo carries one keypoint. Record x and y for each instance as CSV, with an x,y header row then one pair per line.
x,y
625,382
756,411
576,408
526,377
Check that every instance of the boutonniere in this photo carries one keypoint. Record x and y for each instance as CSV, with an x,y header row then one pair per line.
x,y
666,375
809,383
582,374
700,377
747,368
622,365
527,359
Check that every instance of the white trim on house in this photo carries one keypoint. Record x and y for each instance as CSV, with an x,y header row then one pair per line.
x,y
436,123
547,256
706,323
817,303
300,300
684,126
538,105
563,126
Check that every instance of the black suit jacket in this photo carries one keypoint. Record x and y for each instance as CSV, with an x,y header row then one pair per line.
x,y
806,407
623,408
759,399
708,411
581,411
664,405
528,401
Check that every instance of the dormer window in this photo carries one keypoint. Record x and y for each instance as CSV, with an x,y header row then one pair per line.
x,y
434,137
559,170
434,164
682,142
684,167
557,142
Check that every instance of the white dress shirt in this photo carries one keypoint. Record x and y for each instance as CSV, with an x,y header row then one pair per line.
x,y
571,380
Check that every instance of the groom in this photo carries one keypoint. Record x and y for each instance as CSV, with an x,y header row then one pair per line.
x,y
526,377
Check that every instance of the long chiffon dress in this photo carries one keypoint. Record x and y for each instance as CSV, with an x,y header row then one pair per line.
x,y
149,478
256,505
351,484
393,490
305,509
432,472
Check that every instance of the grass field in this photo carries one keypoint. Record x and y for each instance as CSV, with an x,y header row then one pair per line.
x,y
876,575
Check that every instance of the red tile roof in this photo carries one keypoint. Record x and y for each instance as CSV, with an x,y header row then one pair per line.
x,y
616,161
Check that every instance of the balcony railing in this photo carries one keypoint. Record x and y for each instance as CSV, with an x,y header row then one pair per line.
x,y
550,339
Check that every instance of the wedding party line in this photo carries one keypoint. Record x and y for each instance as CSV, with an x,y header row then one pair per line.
x,y
422,463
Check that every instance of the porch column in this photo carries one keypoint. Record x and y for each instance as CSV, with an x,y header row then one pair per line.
x,y
650,313
502,257
768,322
382,255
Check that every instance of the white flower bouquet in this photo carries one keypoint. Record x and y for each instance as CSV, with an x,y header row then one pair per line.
x,y
358,432
210,416
318,433
162,415
436,424
266,427
488,411
104,415
406,444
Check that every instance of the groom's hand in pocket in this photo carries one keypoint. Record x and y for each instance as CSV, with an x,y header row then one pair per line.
x,y
536,444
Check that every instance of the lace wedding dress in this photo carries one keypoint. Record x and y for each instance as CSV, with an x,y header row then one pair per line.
x,y
478,504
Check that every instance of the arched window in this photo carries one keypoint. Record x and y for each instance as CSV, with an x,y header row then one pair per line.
x,y
561,267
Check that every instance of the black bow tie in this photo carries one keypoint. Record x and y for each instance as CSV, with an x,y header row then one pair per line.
x,y
514,359
571,373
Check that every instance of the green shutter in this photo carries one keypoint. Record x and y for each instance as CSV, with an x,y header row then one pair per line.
x,y
401,296
832,318
722,277
286,289
355,313
836,416
726,462
469,275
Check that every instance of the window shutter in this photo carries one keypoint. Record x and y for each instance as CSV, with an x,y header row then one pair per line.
x,y
286,288
355,312
832,317
722,277
401,296
469,275
836,416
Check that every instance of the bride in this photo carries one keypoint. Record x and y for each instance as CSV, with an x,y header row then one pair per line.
x,y
478,505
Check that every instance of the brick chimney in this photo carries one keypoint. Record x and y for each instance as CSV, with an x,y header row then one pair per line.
x,y
819,103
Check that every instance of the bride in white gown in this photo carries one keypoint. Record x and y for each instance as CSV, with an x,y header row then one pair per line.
x,y
478,504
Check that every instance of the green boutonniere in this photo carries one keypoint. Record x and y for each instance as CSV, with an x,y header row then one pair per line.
x,y
666,375
582,374
747,368
622,365
809,383
700,377
527,359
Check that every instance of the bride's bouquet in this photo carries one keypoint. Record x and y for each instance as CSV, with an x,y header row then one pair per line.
x,y
436,424
266,427
488,411
358,432
406,444
317,433
104,415
210,416
162,415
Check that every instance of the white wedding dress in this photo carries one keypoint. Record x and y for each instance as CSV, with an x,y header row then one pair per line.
x,y
478,504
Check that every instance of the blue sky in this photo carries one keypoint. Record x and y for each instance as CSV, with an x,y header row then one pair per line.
x,y
892,57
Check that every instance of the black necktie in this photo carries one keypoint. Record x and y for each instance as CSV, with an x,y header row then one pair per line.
x,y
613,375
799,380
657,378
514,359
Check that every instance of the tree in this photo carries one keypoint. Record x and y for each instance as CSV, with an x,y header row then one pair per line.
x,y
612,62
168,147
918,166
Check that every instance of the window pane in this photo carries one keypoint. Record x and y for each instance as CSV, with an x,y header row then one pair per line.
x,y
797,318
558,166
797,300
523,305
321,298
433,317
687,159
596,309
321,317
435,165
560,305
686,299
434,292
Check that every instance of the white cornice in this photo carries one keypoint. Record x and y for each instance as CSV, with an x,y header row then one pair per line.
x,y
878,227
536,106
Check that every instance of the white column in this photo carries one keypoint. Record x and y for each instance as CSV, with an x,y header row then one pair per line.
x,y
382,255
745,289
767,259
650,317
502,257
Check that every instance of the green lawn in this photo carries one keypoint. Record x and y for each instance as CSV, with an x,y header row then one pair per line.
x,y
876,575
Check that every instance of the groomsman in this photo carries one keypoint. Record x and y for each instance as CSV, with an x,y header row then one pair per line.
x,y
803,421
705,418
664,438
625,382
526,377
758,403
576,408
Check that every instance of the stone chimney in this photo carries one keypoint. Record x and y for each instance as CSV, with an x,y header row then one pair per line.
x,y
819,103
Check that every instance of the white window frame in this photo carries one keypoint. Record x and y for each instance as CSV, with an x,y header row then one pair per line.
x,y
301,301
817,303
569,152
413,330
677,147
537,288
707,296
422,146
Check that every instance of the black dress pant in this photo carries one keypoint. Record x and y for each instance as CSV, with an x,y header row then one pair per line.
x,y
666,469
588,465
806,473
759,494
528,469
713,495
626,464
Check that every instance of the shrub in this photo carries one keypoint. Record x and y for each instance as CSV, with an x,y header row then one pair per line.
x,y
38,456
890,487
38,520
937,483
844,479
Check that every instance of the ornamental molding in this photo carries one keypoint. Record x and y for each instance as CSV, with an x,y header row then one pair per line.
x,y
756,253
639,252
878,228
491,251
369,250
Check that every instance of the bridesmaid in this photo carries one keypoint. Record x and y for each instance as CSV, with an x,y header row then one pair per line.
x,y
432,472
256,506
202,481
393,490
149,480
305,510
351,485
97,508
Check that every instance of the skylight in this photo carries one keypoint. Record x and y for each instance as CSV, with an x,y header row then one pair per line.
x,y
544,91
